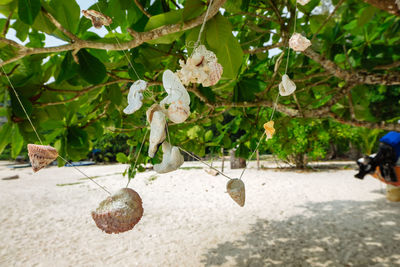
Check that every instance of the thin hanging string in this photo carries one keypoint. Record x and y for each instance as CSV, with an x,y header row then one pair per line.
x,y
119,44
276,100
22,106
138,154
294,30
202,25
205,163
37,134
84,174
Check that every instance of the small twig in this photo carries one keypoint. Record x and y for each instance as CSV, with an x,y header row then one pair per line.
x,y
327,19
142,8
7,25
58,25
99,116
262,49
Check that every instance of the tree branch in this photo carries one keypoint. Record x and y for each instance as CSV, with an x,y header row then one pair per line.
x,y
70,35
327,19
360,77
386,5
262,49
140,37
7,25
142,9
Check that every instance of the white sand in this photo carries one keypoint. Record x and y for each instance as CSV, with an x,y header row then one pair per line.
x,y
290,219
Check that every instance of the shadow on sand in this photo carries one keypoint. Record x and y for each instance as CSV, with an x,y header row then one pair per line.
x,y
335,233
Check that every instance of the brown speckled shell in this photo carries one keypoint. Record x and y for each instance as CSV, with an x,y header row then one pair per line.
x,y
235,188
121,219
41,156
98,19
215,73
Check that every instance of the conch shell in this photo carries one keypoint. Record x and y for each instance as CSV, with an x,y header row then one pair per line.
x,y
41,156
172,159
119,212
287,86
269,129
236,191
178,98
156,118
303,2
135,96
201,67
298,42
98,19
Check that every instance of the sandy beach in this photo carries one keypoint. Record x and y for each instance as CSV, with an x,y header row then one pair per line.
x,y
291,218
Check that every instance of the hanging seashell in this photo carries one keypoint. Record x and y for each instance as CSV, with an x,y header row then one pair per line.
x,y
398,3
135,96
41,156
287,86
235,188
298,42
172,159
201,67
98,19
303,2
119,212
178,112
178,98
269,129
156,118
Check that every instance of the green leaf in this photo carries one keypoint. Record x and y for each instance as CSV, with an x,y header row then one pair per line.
x,y
68,68
17,141
16,106
192,9
163,19
28,10
5,133
121,158
67,13
227,48
21,29
90,68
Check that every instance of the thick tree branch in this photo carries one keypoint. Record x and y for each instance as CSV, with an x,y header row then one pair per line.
x,y
389,6
360,77
141,37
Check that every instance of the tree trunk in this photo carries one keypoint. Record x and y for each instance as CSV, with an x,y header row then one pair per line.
x,y
223,159
258,160
236,163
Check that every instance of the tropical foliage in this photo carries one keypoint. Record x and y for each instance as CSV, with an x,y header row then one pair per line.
x,y
75,92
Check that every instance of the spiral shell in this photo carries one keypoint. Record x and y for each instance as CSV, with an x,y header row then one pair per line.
x,y
178,112
303,2
236,191
172,159
269,129
119,212
41,156
98,19
298,42
287,86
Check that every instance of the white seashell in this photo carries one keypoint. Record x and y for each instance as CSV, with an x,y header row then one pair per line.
x,y
135,96
236,191
174,88
172,159
156,118
298,42
98,19
287,86
41,156
398,3
178,112
119,212
201,67
303,2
